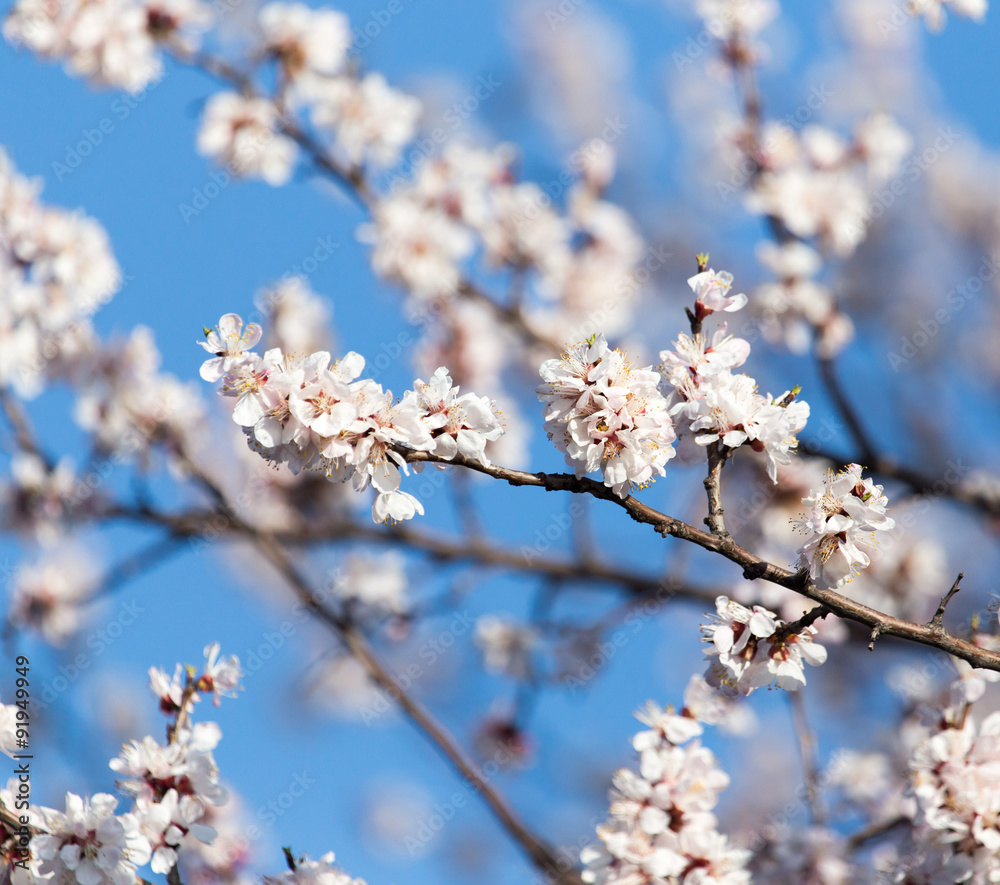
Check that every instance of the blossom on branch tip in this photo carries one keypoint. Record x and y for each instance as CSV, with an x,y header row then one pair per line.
x,y
304,40
229,343
370,121
220,676
712,293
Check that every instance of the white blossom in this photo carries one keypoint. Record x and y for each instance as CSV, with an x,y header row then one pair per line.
x,y
749,648
843,520
243,134
48,595
660,826
89,845
370,120
606,416
305,40
459,425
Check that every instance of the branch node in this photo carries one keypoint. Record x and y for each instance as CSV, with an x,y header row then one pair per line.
x,y
876,632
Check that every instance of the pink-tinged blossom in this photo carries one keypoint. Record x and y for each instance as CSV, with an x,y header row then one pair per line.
x,y
841,527
955,780
727,409
110,42
253,385
148,771
373,584
605,415
934,11
304,40
660,827
38,497
324,402
749,648
311,413
242,134
736,19
794,308
712,292
701,356
88,844
56,271
169,689
129,405
221,676
49,595
418,245
459,425
370,121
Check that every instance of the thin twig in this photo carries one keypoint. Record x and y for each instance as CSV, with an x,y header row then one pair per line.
x,y
23,431
194,523
846,410
807,620
875,831
939,614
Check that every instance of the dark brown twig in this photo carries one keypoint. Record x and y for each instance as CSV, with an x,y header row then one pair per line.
x,y
935,622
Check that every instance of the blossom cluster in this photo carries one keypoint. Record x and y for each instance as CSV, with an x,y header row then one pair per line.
x,y
468,200
816,184
661,829
934,12
751,648
110,42
56,270
360,118
843,519
313,413
176,795
605,415
722,407
88,843
955,781
796,310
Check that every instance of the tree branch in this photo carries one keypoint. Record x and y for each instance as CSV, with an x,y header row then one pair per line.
x,y
540,853
753,566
